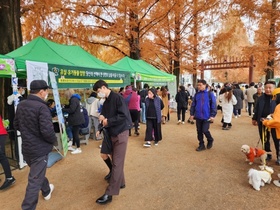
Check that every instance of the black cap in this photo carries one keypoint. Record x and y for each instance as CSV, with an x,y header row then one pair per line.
x,y
39,85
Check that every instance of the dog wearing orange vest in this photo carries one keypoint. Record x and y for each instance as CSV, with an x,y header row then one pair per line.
x,y
251,153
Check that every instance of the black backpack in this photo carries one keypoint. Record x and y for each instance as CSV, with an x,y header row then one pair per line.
x,y
84,129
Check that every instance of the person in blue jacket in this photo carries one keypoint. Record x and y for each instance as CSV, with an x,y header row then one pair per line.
x,y
203,110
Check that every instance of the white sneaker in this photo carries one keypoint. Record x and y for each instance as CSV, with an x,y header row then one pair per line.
x,y
239,115
77,151
183,122
147,144
71,148
48,197
179,121
70,143
277,183
235,116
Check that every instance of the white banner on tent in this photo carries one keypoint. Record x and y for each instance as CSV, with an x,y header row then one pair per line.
x,y
36,71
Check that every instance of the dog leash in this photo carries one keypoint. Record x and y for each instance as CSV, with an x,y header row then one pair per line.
x,y
263,139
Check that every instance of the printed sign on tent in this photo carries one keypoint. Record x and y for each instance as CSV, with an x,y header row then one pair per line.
x,y
36,71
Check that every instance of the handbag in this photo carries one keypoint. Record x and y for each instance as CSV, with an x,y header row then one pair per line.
x,y
84,131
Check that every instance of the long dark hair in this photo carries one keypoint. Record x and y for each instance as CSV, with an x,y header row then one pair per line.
x,y
228,94
163,91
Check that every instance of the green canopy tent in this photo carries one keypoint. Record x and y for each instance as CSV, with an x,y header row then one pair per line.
x,y
73,66
142,71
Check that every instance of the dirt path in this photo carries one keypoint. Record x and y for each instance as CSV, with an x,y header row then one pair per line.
x,y
170,176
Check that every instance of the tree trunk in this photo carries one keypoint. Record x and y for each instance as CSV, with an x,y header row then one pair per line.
x,y
195,44
177,54
272,41
10,39
134,32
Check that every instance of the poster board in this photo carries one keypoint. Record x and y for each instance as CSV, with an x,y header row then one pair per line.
x,y
36,71
61,122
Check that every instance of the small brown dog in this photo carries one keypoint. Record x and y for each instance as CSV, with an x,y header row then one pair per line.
x,y
251,153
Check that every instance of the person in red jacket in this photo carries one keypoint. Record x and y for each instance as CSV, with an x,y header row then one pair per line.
x,y
10,180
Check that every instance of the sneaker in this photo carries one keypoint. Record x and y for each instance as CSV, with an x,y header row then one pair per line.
x,y
48,197
8,182
70,143
71,148
147,144
192,122
77,151
100,146
200,148
235,116
277,183
239,115
183,122
209,145
223,128
136,133
179,121
156,143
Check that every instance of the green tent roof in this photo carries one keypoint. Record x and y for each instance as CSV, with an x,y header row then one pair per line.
x,y
69,56
142,70
43,50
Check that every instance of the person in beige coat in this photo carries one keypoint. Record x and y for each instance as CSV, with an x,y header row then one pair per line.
x,y
249,93
164,97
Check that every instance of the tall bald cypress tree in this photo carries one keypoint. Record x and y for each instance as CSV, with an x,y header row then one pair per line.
x,y
10,39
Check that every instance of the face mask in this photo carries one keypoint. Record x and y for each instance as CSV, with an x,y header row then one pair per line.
x,y
22,92
101,95
46,97
102,101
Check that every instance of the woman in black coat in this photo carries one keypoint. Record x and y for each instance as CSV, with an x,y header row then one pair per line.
x,y
182,98
75,117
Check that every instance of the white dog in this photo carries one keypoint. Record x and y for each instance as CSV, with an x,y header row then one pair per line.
x,y
259,178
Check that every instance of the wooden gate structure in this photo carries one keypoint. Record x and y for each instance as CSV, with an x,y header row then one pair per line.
x,y
232,63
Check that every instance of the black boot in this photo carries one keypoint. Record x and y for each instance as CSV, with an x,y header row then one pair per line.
x,y
109,164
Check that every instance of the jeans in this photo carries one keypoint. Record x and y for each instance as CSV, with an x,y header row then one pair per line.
x,y
236,112
143,113
202,127
69,132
